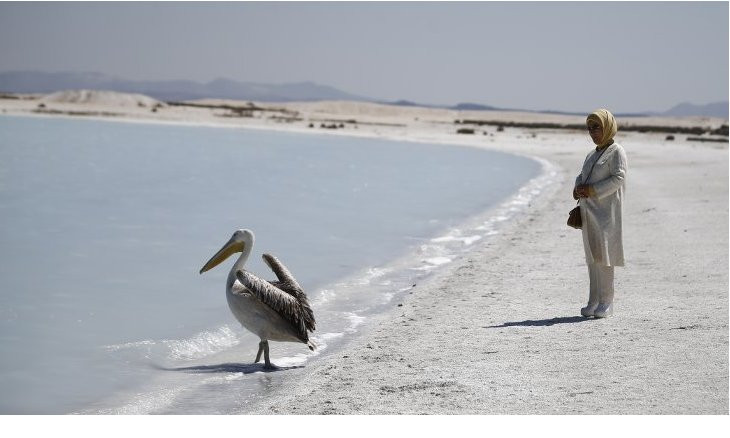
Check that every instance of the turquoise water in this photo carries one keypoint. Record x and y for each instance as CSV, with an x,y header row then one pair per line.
x,y
105,225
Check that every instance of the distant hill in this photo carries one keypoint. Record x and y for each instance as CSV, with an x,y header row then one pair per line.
x,y
37,82
458,106
473,107
404,103
715,109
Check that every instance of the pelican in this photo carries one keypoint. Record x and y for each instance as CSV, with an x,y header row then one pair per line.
x,y
276,310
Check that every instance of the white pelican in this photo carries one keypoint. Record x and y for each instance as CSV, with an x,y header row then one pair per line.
x,y
277,310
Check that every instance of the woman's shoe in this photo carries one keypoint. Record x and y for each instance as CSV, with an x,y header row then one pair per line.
x,y
603,310
589,310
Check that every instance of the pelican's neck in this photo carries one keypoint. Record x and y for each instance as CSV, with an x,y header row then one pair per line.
x,y
240,263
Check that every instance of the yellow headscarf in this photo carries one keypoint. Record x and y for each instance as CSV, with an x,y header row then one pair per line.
x,y
607,122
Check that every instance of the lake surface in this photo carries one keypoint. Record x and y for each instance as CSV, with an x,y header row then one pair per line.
x,y
105,225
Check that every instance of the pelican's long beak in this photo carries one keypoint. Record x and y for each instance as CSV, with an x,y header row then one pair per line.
x,y
230,248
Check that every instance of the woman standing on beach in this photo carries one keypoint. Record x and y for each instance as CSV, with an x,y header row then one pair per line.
x,y
600,189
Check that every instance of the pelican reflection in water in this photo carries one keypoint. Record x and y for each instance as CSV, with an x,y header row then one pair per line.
x,y
272,310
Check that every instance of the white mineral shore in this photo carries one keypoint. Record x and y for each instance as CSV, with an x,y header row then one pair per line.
x,y
498,331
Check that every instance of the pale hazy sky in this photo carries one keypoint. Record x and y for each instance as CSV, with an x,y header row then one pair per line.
x,y
574,56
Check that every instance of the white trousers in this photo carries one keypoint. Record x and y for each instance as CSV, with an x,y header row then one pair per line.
x,y
601,290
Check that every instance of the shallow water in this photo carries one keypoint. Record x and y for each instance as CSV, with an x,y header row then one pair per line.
x,y
105,225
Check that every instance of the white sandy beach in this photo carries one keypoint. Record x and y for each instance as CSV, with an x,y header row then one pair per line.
x,y
499,330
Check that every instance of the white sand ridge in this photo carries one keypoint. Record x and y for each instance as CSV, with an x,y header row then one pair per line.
x,y
103,97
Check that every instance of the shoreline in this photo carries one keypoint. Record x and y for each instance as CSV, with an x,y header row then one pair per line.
x,y
405,261
498,331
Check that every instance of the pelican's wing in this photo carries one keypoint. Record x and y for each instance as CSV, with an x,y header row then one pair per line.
x,y
282,273
289,284
281,302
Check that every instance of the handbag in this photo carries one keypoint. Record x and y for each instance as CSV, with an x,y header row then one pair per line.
x,y
574,219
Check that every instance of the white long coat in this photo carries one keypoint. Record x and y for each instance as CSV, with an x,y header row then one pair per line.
x,y
602,213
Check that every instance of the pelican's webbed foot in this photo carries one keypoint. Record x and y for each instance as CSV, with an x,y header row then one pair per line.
x,y
271,367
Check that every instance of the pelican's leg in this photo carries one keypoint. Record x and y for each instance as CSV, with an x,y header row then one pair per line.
x,y
261,350
267,362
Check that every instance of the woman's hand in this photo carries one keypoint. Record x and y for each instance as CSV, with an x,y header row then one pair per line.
x,y
582,191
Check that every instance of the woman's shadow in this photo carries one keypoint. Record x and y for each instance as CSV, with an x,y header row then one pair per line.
x,y
542,322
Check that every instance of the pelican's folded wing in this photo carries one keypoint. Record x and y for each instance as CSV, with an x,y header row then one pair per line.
x,y
289,284
282,273
281,302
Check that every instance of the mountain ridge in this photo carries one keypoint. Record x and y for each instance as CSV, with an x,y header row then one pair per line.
x,y
225,88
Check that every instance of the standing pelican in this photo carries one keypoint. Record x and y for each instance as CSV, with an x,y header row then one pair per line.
x,y
276,310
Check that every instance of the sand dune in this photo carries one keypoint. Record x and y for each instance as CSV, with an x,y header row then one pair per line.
x,y
204,111
102,98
